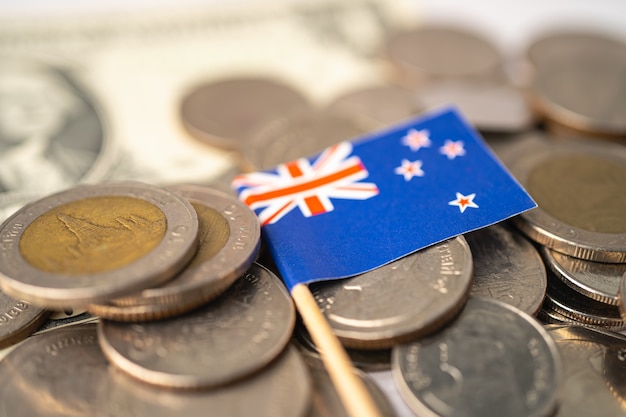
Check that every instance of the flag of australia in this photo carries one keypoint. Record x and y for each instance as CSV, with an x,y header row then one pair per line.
x,y
363,203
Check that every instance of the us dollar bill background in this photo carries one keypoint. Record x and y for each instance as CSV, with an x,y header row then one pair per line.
x,y
96,98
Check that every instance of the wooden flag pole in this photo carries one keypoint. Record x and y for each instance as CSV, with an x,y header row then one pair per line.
x,y
354,396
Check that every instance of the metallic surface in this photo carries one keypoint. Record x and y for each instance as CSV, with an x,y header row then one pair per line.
x,y
18,319
593,363
225,340
579,79
492,360
222,113
427,53
288,137
581,309
404,299
228,242
580,189
22,280
379,105
507,267
597,280
92,235
325,401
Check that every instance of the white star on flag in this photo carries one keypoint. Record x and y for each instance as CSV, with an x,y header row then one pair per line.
x,y
410,169
416,139
452,149
464,201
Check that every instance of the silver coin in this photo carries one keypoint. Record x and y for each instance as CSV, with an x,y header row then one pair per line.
x,y
581,309
228,242
581,195
507,267
58,373
578,81
224,112
18,319
589,359
53,133
492,360
91,243
622,297
325,401
404,299
597,280
548,315
432,52
225,340
298,135
283,388
489,106
379,105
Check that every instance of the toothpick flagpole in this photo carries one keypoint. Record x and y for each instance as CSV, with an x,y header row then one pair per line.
x,y
352,392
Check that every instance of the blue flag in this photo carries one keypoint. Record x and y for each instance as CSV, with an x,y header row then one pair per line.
x,y
361,204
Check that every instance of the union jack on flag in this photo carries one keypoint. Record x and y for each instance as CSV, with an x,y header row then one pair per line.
x,y
305,185
363,203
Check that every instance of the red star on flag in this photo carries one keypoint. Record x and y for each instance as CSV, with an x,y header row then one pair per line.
x,y
464,201
416,139
410,169
452,149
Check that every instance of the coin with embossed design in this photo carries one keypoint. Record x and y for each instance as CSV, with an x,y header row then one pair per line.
x,y
229,338
404,299
228,242
581,195
56,374
493,359
507,267
95,242
18,319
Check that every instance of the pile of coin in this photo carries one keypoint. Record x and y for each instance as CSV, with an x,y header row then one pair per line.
x,y
188,323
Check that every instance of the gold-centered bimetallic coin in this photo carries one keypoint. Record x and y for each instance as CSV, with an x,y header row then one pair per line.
x,y
92,243
228,242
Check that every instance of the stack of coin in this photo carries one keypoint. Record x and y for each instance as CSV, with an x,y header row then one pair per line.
x,y
578,225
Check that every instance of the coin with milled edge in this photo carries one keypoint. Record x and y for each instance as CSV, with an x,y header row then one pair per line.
x,y
325,401
622,297
95,242
404,299
592,383
597,280
493,359
581,195
432,52
57,373
296,135
581,309
281,389
223,112
228,242
507,267
18,319
229,338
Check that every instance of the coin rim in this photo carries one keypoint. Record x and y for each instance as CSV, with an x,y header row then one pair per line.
x,y
550,231
21,280
422,409
211,277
